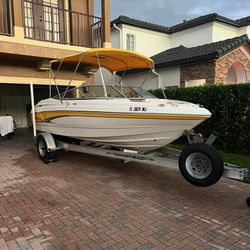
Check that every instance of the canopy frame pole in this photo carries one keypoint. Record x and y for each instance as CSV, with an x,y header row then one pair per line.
x,y
59,67
54,79
163,92
146,77
33,109
113,79
121,85
49,83
116,79
103,83
123,74
55,75
73,75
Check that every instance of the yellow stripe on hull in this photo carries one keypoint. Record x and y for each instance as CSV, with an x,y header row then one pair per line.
x,y
50,115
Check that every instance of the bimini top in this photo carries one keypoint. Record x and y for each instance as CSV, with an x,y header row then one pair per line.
x,y
111,59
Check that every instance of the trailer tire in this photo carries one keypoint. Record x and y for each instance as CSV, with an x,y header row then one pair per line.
x,y
42,149
201,165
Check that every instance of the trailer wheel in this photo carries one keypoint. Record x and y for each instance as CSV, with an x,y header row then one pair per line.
x,y
42,149
201,165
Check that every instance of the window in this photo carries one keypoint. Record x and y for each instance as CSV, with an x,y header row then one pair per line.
x,y
130,42
195,83
28,19
51,20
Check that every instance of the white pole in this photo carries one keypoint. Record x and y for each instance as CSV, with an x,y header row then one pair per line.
x,y
33,108
103,83
49,82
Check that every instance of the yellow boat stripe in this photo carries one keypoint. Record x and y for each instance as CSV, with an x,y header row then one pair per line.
x,y
44,116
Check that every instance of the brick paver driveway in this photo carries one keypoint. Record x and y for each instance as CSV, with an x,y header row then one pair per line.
x,y
88,202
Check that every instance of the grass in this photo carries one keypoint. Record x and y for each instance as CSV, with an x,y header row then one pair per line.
x,y
176,146
232,158
236,159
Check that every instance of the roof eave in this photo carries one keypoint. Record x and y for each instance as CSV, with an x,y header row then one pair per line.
x,y
181,26
223,53
198,59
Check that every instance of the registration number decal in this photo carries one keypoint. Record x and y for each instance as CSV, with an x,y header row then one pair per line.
x,y
138,109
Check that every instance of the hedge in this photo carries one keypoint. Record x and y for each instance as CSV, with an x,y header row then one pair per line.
x,y
229,105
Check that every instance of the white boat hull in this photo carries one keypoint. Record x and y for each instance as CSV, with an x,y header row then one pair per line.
x,y
121,129
125,133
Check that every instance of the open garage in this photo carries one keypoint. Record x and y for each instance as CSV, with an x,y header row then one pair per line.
x,y
15,100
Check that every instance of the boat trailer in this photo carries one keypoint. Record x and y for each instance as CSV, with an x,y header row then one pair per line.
x,y
230,171
47,147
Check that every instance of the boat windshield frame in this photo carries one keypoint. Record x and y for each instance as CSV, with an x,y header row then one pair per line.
x,y
86,91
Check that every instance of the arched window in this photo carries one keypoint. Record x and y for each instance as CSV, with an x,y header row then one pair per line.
x,y
236,73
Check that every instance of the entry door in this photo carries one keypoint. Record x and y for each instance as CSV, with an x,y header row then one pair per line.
x,y
53,17
47,20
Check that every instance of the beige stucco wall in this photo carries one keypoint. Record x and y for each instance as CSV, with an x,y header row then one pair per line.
x,y
16,43
222,31
147,42
25,54
194,36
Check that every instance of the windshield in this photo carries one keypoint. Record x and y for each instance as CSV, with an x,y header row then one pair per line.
x,y
142,92
97,91
134,92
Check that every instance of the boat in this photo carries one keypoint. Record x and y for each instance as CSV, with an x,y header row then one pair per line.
x,y
115,115
122,122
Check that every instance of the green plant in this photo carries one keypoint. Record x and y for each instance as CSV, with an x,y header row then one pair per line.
x,y
230,108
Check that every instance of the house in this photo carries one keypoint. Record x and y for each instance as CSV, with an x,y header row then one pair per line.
x,y
34,32
226,61
207,49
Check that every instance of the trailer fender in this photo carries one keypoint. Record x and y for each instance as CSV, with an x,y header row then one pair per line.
x,y
50,142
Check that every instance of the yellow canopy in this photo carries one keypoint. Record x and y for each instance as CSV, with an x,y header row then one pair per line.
x,y
111,59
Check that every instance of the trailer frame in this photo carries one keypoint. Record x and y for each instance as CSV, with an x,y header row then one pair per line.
x,y
169,161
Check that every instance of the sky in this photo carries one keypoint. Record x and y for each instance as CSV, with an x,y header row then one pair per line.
x,y
171,12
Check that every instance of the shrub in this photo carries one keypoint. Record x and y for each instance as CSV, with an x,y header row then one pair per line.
x,y
229,105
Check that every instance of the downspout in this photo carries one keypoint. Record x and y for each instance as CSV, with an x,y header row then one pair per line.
x,y
120,34
159,82
158,78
